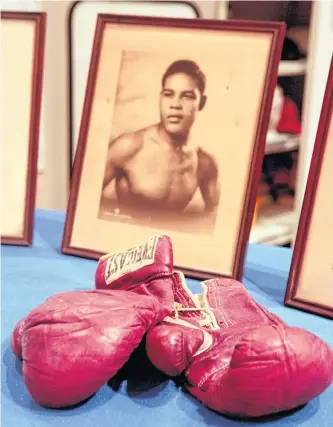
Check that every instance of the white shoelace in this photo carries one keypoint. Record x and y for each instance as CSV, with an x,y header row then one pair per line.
x,y
209,320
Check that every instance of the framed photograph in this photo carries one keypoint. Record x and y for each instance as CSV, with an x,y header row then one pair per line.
x,y
22,57
172,138
310,283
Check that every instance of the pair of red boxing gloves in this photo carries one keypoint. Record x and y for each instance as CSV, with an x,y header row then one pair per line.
x,y
236,357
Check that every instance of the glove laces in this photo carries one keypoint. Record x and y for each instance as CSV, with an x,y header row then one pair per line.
x,y
209,317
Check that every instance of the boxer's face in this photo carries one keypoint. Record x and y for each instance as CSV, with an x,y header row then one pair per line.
x,y
179,103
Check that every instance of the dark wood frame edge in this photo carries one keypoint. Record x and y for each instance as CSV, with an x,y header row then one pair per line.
x,y
35,112
258,149
277,29
325,119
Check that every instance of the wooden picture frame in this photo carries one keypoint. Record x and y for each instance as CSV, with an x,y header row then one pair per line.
x,y
127,102
310,282
22,58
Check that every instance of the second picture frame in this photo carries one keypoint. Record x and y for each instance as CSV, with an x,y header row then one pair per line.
x,y
310,283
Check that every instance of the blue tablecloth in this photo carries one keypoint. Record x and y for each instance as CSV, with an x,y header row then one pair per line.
x,y
30,275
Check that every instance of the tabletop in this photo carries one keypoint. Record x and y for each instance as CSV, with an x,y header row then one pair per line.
x,y
29,275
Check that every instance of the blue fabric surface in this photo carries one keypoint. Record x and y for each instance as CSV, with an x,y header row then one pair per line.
x,y
30,275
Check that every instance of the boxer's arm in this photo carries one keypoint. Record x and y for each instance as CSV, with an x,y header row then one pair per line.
x,y
120,151
110,169
209,180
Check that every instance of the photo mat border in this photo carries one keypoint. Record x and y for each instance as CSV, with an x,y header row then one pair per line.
x,y
38,68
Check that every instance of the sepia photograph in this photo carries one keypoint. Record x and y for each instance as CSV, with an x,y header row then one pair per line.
x,y
160,167
310,283
172,137
21,94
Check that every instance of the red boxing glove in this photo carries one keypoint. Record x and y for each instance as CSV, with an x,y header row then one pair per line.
x,y
141,264
74,342
238,359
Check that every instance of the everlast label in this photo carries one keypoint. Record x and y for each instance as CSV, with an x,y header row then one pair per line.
x,y
122,263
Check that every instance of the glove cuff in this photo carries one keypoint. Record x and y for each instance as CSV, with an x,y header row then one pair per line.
x,y
123,270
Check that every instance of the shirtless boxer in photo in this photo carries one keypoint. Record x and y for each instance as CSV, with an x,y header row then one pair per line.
x,y
155,169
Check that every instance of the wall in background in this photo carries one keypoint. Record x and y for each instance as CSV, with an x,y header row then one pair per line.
x,y
321,40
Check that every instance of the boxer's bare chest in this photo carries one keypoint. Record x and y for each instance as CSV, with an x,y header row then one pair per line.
x,y
162,172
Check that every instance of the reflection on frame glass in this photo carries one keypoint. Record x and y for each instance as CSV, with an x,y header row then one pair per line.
x,y
21,91
310,284
172,138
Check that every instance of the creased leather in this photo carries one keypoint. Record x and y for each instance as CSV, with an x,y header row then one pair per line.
x,y
74,342
255,364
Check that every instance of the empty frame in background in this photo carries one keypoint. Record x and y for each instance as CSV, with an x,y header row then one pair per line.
x,y
310,284
155,80
22,54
